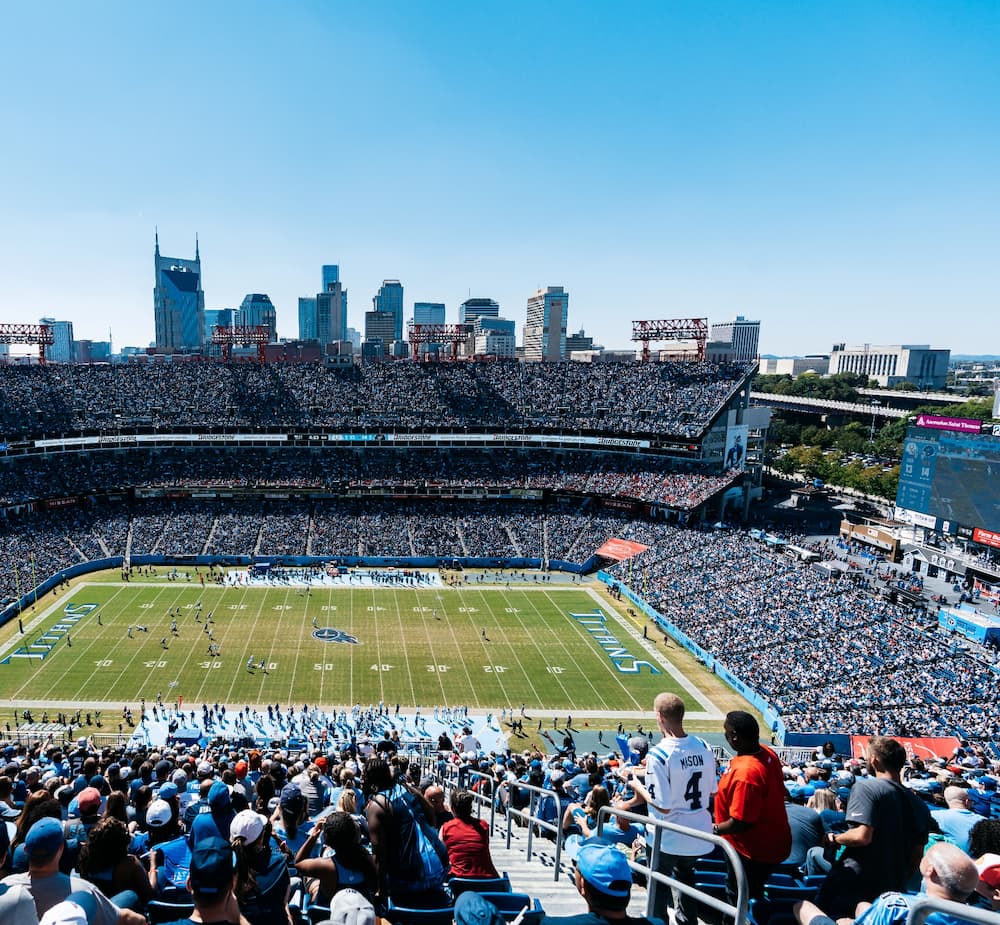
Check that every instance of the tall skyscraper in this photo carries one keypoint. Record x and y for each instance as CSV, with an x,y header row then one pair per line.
x,y
307,319
471,309
324,318
428,313
545,328
178,302
63,348
331,314
390,299
257,310
742,334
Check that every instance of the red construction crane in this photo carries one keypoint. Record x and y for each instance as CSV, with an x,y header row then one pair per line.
x,y
451,334
243,335
695,329
40,334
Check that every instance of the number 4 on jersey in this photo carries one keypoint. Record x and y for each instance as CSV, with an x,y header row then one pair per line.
x,y
692,793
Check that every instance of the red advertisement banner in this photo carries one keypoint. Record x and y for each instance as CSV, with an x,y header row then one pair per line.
x,y
618,549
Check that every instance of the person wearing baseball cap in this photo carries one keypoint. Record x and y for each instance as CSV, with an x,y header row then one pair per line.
x,y
210,881
44,845
604,880
263,883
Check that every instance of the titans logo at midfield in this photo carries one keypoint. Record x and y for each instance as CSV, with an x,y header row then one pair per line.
x,y
329,634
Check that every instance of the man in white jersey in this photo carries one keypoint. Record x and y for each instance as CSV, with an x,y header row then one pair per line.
x,y
679,782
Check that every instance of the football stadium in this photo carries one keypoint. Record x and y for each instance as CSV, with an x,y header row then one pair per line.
x,y
218,573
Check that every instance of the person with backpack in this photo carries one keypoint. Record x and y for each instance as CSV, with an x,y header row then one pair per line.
x,y
411,861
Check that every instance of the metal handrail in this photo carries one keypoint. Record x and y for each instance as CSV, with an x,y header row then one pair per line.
x,y
531,818
922,906
658,880
450,780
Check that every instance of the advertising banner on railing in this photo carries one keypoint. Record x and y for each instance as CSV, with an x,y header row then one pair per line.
x,y
916,746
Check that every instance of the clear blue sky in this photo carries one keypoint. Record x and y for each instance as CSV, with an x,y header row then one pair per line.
x,y
832,169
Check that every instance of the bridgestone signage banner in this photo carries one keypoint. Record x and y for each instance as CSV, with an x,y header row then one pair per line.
x,y
65,443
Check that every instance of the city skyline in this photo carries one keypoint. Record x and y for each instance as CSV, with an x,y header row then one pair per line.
x,y
830,172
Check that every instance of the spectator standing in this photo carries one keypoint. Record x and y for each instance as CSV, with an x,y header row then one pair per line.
x,y
887,831
750,805
679,783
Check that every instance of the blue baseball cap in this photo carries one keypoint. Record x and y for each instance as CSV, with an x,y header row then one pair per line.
x,y
168,791
44,839
211,869
218,796
605,869
472,909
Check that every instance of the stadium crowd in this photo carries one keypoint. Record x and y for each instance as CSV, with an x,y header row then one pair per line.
x,y
677,399
830,654
366,822
660,481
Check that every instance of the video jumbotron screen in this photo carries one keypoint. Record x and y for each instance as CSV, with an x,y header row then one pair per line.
x,y
952,477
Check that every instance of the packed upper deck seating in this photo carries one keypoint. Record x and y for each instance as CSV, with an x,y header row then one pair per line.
x,y
674,399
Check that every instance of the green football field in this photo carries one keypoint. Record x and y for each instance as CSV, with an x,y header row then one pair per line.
x,y
483,647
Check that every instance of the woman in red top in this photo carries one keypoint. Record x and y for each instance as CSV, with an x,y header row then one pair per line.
x,y
467,840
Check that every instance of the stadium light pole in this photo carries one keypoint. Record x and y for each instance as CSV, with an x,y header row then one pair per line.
x,y
871,434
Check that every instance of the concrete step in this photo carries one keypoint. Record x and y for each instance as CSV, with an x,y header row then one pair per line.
x,y
537,876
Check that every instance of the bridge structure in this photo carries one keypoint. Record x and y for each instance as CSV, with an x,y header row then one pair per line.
x,y
827,405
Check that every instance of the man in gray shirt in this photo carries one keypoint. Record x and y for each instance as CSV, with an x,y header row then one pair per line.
x,y
44,845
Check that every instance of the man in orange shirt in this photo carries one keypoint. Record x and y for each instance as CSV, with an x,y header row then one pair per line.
x,y
750,805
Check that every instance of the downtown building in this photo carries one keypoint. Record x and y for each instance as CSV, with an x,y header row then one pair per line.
x,y
63,348
741,336
389,300
257,311
323,318
178,303
545,328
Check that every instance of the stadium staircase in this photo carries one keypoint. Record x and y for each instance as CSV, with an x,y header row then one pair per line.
x,y
211,536
536,877
461,538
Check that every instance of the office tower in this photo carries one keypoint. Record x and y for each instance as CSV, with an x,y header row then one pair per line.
x,y
380,326
471,309
178,302
545,328
331,314
743,335
390,299
218,318
62,349
257,310
428,313
331,274
308,329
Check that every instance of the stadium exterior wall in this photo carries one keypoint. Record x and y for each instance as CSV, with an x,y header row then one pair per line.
x,y
770,715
